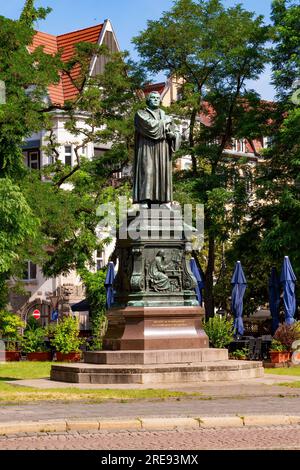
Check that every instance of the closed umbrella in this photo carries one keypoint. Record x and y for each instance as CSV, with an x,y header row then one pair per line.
x,y
109,281
239,284
274,298
199,278
288,281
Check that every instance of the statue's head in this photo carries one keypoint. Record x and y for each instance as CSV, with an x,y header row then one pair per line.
x,y
161,253
153,100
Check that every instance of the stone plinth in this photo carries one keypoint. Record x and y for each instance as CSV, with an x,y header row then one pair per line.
x,y
150,328
156,374
184,356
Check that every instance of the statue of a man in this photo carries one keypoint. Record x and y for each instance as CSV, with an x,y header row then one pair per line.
x,y
156,139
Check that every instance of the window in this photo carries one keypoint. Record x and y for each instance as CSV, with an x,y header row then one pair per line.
x,y
117,175
239,146
99,260
249,184
29,273
68,155
33,160
185,132
99,152
268,142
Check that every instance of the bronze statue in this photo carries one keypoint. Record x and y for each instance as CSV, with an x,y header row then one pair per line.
x,y
156,139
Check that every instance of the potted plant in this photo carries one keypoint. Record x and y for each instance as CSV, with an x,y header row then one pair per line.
x,y
10,325
34,345
66,340
240,354
288,334
283,340
278,352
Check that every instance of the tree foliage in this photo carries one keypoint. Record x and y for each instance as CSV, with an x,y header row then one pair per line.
x,y
214,51
53,210
272,230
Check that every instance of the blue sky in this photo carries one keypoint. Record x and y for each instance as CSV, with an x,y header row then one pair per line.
x,y
127,16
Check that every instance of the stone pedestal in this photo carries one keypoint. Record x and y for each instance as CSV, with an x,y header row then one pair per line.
x,y
155,303
155,332
150,328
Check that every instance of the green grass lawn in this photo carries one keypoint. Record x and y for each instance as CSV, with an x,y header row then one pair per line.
x,y
293,371
25,370
34,370
284,371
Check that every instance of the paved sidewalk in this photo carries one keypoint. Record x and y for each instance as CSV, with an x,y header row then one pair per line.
x,y
251,438
264,386
253,402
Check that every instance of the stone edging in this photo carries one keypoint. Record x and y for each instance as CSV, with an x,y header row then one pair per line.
x,y
65,425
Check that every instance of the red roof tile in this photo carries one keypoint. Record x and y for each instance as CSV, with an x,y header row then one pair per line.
x,y
65,43
159,87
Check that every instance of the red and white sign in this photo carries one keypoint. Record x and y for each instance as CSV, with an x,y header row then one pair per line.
x,y
36,314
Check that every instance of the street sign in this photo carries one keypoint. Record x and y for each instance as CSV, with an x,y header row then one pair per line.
x,y
36,314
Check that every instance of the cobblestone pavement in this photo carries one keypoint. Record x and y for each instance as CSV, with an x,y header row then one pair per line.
x,y
258,438
146,408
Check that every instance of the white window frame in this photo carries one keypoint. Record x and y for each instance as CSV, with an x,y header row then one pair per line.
x,y
68,154
267,142
239,146
99,260
36,160
29,278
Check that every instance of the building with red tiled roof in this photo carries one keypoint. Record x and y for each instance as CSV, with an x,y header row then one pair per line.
x,y
65,43
170,92
41,291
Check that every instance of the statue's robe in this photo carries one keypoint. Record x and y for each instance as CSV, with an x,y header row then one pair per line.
x,y
153,157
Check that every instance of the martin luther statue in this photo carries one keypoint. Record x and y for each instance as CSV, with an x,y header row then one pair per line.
x,y
155,141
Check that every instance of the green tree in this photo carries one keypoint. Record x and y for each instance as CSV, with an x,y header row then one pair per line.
x,y
64,221
215,51
274,225
26,76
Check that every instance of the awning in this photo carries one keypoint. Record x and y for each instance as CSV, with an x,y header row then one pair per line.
x,y
82,306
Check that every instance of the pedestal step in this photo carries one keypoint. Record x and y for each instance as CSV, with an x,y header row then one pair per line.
x,y
168,356
153,374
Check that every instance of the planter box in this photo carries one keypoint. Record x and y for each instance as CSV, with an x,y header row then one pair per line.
x,y
70,357
278,357
39,356
12,356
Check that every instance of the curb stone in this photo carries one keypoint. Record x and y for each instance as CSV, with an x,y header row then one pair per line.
x,y
169,423
139,424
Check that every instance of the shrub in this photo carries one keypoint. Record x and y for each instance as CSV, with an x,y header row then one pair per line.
x,y
10,325
66,336
34,340
96,297
220,331
287,334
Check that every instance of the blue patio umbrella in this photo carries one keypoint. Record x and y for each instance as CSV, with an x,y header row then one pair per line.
x,y
274,298
288,281
109,281
239,284
199,278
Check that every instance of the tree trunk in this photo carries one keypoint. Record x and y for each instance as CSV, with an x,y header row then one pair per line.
x,y
209,279
191,140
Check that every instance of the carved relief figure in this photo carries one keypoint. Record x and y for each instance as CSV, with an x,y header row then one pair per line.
x,y
156,272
